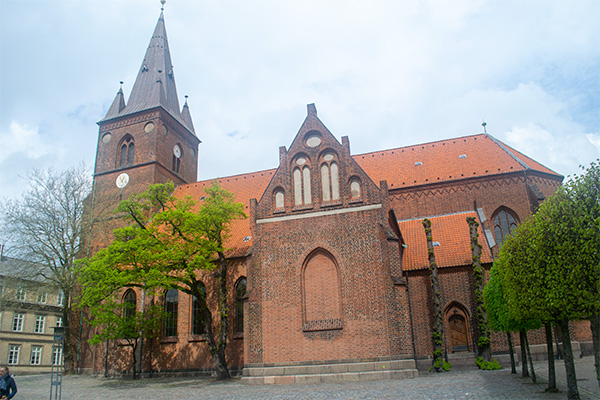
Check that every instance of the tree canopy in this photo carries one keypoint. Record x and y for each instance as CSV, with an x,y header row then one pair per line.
x,y
169,243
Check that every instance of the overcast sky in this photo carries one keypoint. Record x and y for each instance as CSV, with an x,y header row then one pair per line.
x,y
385,73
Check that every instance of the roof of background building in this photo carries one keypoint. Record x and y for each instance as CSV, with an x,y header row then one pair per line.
x,y
440,162
451,237
445,160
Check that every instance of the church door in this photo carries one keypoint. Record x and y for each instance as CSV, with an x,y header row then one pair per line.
x,y
458,333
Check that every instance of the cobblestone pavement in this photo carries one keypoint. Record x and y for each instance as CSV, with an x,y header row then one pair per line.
x,y
465,384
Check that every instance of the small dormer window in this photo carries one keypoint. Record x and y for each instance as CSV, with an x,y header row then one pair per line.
x,y
418,163
247,238
462,156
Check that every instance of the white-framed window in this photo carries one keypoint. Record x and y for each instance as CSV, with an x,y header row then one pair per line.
x,y
56,355
60,299
13,354
42,296
20,294
58,321
40,324
18,319
36,355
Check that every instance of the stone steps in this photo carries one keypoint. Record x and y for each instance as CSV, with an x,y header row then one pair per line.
x,y
331,373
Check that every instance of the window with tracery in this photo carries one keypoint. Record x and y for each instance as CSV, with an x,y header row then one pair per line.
x,y
330,178
171,305
127,151
240,292
505,222
301,178
198,326
129,304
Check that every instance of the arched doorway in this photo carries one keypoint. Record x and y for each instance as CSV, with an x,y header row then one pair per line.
x,y
457,325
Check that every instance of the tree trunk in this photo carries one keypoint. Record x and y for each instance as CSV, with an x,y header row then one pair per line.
x,y
134,358
595,324
551,370
222,370
573,392
533,378
513,368
438,320
524,369
484,349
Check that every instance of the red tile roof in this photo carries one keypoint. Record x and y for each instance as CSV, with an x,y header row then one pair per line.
x,y
441,161
451,231
245,187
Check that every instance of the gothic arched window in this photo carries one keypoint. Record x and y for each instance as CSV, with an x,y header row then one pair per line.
x,y
127,151
129,303
240,292
279,198
198,326
301,178
330,178
170,321
505,222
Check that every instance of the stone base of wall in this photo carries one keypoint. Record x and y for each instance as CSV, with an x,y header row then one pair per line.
x,y
329,373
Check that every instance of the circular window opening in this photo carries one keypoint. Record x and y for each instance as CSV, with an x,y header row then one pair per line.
x,y
301,161
328,157
149,127
106,137
313,139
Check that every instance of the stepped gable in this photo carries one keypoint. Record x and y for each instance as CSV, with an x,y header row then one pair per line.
x,y
446,160
451,231
245,187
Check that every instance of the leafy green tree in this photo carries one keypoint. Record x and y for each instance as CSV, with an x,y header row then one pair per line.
x,y
170,243
119,320
554,263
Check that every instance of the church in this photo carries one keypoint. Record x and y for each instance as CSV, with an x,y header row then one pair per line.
x,y
329,275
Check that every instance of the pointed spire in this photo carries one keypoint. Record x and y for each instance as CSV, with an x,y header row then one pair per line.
x,y
155,82
186,116
156,71
117,105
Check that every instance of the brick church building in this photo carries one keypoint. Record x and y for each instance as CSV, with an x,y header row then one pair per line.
x,y
329,275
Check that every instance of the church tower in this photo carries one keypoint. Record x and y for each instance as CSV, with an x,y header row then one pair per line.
x,y
149,139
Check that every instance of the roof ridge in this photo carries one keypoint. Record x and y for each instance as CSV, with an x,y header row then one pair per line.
x,y
510,153
420,144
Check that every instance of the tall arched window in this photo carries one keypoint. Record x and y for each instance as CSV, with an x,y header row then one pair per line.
x,y
301,176
129,303
198,326
505,222
171,304
330,179
240,292
127,151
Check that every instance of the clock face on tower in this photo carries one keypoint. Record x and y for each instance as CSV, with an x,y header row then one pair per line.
x,y
177,151
122,180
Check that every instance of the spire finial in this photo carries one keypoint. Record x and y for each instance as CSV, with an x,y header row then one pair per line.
x,y
484,124
162,4
121,83
186,97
